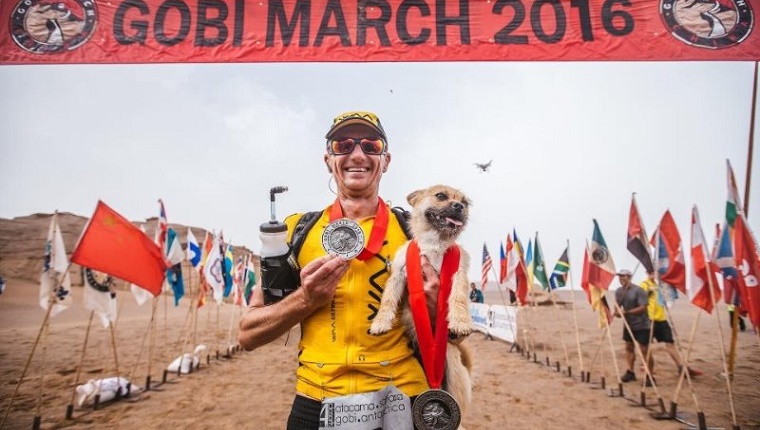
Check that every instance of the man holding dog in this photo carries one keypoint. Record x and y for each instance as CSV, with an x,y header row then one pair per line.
x,y
338,297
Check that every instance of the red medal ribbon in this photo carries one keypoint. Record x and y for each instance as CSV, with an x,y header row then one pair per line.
x,y
432,344
379,228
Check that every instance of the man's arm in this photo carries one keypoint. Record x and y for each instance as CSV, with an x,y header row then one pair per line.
x,y
263,324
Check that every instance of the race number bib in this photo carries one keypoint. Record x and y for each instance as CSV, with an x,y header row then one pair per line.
x,y
388,408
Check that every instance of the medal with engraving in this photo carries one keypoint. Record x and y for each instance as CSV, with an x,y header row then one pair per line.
x,y
436,409
343,237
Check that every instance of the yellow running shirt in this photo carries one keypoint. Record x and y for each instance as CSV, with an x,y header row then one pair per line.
x,y
654,308
337,355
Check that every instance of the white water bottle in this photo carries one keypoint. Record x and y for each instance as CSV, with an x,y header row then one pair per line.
x,y
274,234
273,239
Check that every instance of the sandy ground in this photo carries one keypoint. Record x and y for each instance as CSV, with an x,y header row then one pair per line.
x,y
256,388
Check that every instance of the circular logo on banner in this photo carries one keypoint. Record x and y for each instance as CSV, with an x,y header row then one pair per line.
x,y
44,26
710,24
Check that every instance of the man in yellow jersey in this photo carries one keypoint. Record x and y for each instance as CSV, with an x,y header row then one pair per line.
x,y
338,298
661,330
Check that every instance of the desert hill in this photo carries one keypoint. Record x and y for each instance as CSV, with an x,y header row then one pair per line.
x,y
22,243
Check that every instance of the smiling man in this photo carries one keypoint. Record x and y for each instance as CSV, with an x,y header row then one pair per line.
x,y
341,366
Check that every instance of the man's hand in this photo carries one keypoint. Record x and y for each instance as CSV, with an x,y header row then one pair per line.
x,y
431,284
320,278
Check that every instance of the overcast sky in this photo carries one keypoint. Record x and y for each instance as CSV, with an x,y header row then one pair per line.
x,y
569,142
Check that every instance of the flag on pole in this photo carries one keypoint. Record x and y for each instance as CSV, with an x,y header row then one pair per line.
x,y
670,261
55,266
487,265
502,264
208,244
703,273
601,266
250,279
594,293
734,202
558,278
539,268
723,257
529,264
100,297
111,244
747,258
638,243
163,226
213,270
228,269
238,273
175,255
193,250
517,278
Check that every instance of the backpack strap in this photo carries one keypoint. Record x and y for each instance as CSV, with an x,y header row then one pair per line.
x,y
301,229
404,217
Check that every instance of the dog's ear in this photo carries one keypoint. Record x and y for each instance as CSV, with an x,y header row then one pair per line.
x,y
414,197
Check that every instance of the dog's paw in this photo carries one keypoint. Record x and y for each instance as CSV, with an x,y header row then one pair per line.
x,y
379,327
460,328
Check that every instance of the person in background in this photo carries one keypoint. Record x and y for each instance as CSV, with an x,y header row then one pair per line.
x,y
632,303
661,330
476,296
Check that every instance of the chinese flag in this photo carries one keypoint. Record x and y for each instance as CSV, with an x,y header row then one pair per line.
x,y
113,245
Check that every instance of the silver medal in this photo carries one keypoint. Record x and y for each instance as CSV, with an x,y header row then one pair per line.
x,y
343,237
436,410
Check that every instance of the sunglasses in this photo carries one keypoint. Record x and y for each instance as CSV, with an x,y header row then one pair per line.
x,y
346,145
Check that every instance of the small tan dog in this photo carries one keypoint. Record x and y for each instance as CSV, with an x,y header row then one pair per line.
x,y
439,214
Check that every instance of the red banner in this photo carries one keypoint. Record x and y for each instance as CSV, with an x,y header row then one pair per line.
x,y
201,31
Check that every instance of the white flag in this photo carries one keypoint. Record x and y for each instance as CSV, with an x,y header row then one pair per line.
x,y
55,265
99,296
212,271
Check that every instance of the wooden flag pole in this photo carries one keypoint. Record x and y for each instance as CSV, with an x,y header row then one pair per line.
x,y
166,324
596,354
575,315
115,359
38,416
612,352
151,342
51,302
535,313
684,360
561,331
747,183
216,329
70,407
229,334
140,351
723,353
498,286
637,350
685,371
503,300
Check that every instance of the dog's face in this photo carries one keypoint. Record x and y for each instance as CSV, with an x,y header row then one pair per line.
x,y
441,209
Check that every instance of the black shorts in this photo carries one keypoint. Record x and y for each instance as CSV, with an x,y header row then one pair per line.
x,y
662,332
641,336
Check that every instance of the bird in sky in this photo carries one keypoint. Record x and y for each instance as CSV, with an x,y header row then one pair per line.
x,y
484,166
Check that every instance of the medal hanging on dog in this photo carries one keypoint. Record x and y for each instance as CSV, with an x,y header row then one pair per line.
x,y
435,408
344,237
